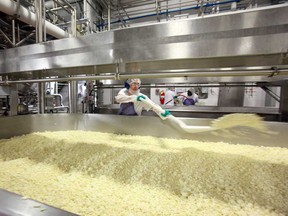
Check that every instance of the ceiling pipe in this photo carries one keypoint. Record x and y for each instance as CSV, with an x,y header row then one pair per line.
x,y
62,79
117,76
118,86
169,12
268,73
10,7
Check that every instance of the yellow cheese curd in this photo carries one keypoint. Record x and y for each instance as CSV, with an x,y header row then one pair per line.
x,y
93,173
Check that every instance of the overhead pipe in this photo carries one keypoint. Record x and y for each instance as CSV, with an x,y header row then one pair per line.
x,y
62,79
110,86
64,8
185,73
186,4
10,7
185,9
172,11
168,7
68,4
39,21
267,73
79,22
55,14
139,4
190,8
109,16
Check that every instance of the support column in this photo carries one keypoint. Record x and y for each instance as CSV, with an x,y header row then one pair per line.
x,y
73,96
109,16
41,98
39,29
13,100
13,33
73,23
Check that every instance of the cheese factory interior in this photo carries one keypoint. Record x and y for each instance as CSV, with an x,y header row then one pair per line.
x,y
62,62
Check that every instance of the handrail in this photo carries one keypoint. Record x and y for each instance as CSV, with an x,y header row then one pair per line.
x,y
165,74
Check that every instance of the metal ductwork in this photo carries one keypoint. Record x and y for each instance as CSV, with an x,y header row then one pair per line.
x,y
10,7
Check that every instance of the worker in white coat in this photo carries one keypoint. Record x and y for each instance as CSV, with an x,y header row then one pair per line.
x,y
127,97
170,95
194,96
131,100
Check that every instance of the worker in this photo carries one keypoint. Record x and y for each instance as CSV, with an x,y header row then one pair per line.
x,y
131,101
180,96
194,96
127,96
170,95
188,100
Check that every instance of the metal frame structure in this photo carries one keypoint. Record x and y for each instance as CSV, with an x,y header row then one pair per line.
x,y
220,48
91,16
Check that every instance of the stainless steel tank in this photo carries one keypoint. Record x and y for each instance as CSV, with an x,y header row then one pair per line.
x,y
144,125
132,125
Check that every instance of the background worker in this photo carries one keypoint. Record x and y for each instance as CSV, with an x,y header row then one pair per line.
x,y
188,100
170,96
194,96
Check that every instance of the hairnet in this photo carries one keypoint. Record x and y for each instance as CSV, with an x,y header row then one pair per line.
x,y
134,80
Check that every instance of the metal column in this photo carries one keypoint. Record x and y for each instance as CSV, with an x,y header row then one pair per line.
x,y
73,96
41,97
13,100
39,18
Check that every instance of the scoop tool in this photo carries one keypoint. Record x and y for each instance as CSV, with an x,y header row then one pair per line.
x,y
227,121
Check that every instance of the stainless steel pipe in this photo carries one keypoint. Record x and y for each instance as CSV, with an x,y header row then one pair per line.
x,y
166,74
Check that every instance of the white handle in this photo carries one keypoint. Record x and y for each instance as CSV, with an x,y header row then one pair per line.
x,y
189,128
153,105
181,124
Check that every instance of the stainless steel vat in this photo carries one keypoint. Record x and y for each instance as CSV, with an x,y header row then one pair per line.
x,y
144,125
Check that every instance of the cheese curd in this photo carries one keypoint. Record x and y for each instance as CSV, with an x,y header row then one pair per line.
x,y
93,173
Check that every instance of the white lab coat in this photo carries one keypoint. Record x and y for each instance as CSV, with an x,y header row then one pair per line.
x,y
169,97
195,97
124,97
